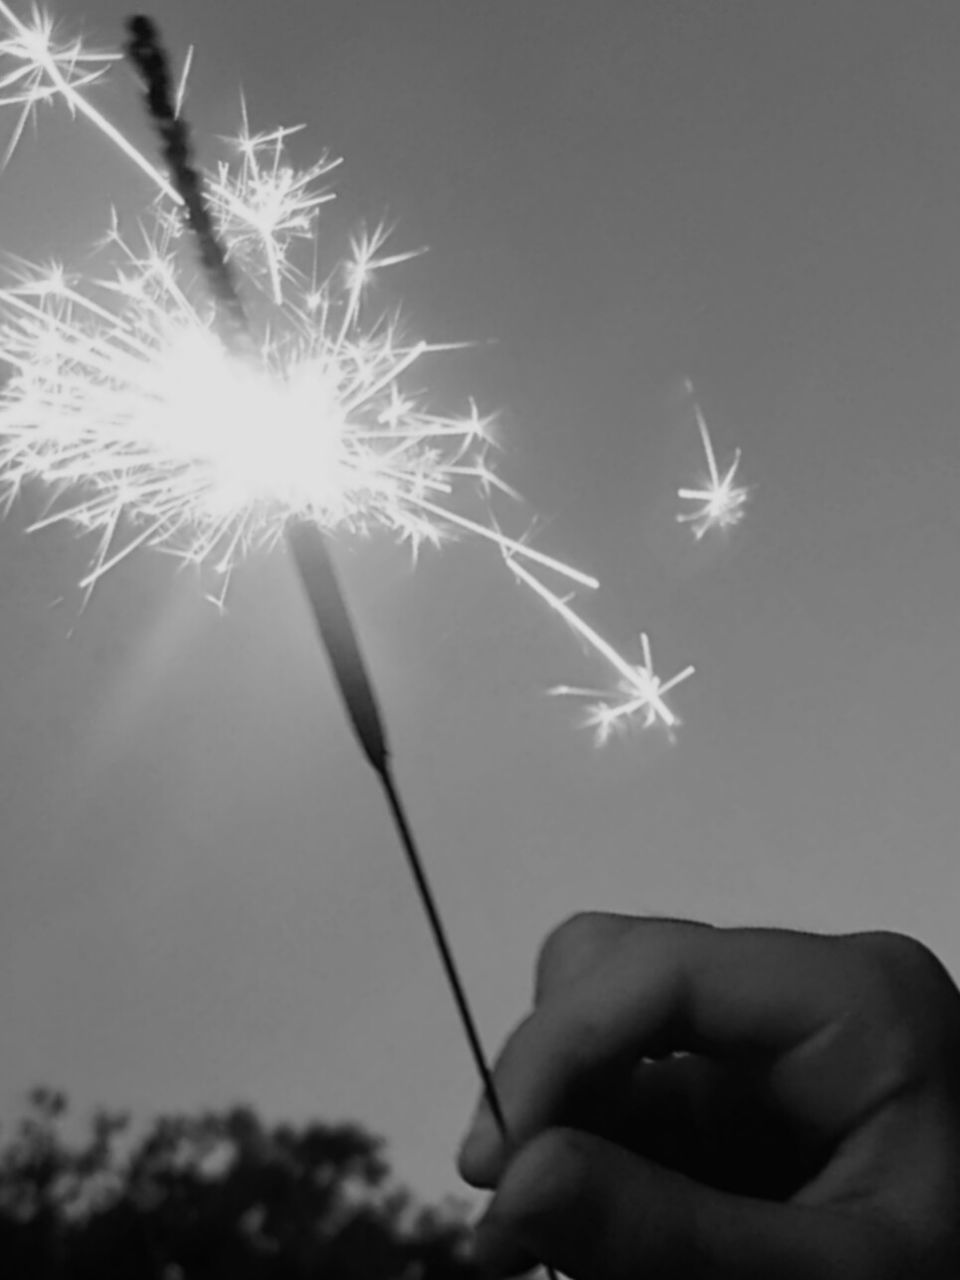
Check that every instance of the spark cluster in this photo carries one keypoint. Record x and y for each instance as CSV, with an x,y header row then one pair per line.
x,y
721,501
638,689
122,401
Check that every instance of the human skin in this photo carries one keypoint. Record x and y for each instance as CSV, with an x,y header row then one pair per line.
x,y
810,1131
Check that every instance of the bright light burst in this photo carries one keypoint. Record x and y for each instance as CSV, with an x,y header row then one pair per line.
x,y
722,501
638,689
123,401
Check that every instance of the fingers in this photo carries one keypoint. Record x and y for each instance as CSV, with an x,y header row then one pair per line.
x,y
760,993
596,1213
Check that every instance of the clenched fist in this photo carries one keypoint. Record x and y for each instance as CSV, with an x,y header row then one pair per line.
x,y
690,1101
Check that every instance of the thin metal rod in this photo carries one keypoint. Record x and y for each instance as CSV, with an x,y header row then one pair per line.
x,y
443,946
318,576
435,920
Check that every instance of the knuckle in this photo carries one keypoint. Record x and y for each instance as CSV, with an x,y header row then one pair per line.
x,y
900,1056
572,946
564,1147
913,993
587,938
551,1169
897,950
912,974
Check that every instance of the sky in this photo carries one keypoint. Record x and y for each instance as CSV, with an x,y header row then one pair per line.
x,y
201,898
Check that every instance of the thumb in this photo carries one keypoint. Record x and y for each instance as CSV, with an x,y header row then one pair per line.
x,y
598,1212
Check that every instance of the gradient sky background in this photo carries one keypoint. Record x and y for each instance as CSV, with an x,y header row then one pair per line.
x,y
201,899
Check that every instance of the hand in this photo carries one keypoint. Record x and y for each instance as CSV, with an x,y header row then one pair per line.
x,y
811,1131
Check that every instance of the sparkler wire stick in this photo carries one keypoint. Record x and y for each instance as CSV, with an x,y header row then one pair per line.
x,y
151,61
306,542
339,635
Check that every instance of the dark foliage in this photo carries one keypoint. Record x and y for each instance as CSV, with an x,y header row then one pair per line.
x,y
215,1196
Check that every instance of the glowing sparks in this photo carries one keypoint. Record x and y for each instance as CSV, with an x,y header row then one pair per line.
x,y
722,501
124,403
46,69
266,205
638,688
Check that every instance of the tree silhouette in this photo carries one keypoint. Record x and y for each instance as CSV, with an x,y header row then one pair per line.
x,y
215,1196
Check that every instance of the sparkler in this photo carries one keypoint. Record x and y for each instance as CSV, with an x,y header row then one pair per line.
x,y
306,541
721,500
208,432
